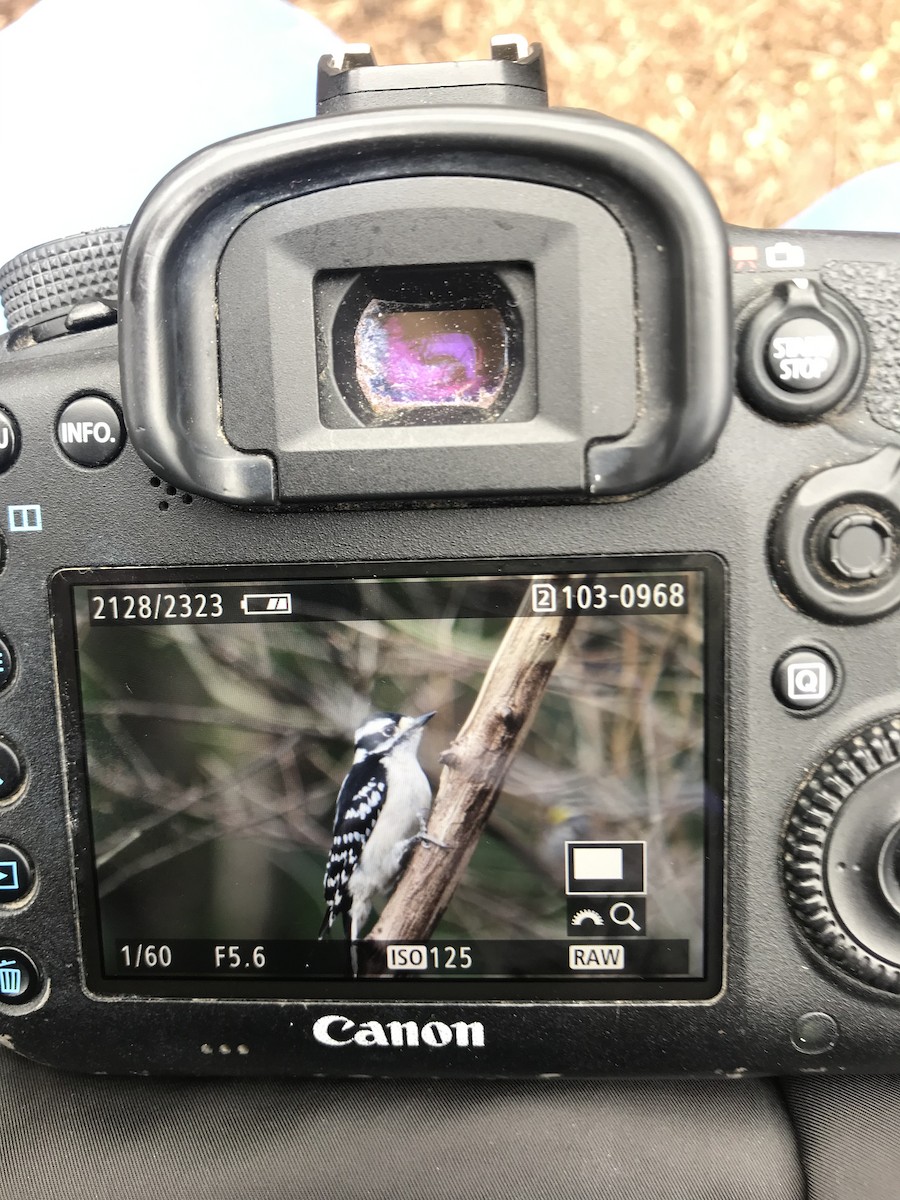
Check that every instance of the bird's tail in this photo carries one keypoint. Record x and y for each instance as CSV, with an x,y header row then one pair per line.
x,y
327,922
352,953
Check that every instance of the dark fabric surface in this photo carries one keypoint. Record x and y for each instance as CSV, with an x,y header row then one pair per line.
x,y
64,1136
848,1132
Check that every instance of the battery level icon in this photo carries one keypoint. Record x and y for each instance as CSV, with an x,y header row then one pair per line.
x,y
266,603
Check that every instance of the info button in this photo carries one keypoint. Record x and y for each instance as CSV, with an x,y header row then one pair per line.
x,y
90,431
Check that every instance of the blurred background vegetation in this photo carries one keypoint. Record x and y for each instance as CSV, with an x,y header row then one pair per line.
x,y
216,754
774,101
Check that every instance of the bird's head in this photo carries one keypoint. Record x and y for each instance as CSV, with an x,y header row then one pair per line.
x,y
383,731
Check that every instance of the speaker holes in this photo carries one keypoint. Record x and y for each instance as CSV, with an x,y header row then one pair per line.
x,y
224,1049
172,492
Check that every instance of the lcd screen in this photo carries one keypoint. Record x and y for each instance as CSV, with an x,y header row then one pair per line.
x,y
540,750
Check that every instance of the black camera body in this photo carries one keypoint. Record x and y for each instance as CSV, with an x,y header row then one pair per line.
x,y
445,411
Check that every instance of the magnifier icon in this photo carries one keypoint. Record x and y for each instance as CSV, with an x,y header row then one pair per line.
x,y
623,914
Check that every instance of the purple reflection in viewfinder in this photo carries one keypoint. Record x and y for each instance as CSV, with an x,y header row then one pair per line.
x,y
437,367
428,359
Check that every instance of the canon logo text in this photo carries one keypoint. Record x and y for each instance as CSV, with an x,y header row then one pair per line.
x,y
335,1030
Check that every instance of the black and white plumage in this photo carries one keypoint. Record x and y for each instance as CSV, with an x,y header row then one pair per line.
x,y
382,809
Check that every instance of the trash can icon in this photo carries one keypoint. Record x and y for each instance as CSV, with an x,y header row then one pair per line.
x,y
10,978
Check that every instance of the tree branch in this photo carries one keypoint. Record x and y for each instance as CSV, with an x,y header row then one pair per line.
x,y
475,765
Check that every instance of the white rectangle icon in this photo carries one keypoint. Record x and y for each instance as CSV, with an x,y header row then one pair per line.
x,y
407,958
596,956
597,862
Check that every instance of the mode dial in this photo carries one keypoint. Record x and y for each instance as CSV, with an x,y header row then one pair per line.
x,y
59,275
842,855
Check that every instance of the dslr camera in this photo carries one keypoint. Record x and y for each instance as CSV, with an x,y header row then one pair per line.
x,y
450,607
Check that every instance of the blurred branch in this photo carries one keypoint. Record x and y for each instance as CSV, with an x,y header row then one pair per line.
x,y
188,714
167,804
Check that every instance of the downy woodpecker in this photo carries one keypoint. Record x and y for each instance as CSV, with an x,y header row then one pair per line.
x,y
382,809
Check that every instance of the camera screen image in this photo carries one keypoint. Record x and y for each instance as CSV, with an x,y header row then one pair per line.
x,y
406,786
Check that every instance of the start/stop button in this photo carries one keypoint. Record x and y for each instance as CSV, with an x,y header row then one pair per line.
x,y
802,352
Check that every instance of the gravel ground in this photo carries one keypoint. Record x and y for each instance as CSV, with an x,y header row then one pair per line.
x,y
774,102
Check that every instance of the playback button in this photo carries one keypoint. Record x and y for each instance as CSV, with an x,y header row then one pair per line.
x,y
16,874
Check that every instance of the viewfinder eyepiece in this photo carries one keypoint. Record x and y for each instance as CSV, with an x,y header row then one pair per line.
x,y
415,346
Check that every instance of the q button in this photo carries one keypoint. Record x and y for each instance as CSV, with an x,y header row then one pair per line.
x,y
90,431
806,680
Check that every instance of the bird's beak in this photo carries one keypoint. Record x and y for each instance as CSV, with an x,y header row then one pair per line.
x,y
420,721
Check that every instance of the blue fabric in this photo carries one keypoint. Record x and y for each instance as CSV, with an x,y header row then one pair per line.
x,y
100,98
870,202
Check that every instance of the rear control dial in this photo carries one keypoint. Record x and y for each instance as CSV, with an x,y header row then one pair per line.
x,y
842,855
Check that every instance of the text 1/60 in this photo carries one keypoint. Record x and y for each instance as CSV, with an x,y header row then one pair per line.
x,y
429,958
153,956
